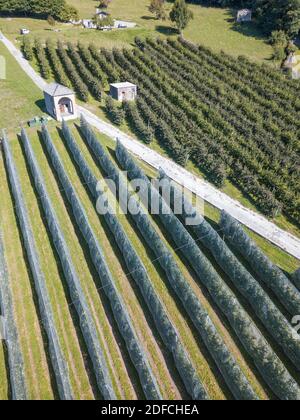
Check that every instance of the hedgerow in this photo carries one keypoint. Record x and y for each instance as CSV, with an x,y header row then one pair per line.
x,y
92,64
225,361
270,366
59,364
42,59
135,349
278,326
134,264
56,65
27,48
78,84
133,117
268,272
94,85
87,325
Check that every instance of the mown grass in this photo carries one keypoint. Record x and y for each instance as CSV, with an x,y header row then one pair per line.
x,y
212,27
18,95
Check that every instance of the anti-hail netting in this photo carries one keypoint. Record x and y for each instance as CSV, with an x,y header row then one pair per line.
x,y
278,326
138,271
268,272
135,349
87,324
58,361
270,366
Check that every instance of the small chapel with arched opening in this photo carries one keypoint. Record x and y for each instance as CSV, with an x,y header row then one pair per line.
x,y
60,102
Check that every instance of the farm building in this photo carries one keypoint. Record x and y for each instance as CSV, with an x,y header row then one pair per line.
x,y
60,102
244,15
123,91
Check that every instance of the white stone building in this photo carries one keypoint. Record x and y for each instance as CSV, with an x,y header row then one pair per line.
x,y
123,91
60,102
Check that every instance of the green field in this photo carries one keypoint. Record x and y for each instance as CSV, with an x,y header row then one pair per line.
x,y
212,27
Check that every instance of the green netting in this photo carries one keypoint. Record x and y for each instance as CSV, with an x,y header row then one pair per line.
x,y
225,361
138,271
135,349
266,360
278,326
87,325
268,272
59,364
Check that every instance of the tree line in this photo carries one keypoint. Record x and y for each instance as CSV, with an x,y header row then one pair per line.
x,y
58,9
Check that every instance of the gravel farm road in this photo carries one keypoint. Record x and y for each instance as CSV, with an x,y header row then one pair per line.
x,y
201,188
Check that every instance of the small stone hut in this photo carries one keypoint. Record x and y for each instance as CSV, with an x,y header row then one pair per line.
x,y
244,15
60,102
123,91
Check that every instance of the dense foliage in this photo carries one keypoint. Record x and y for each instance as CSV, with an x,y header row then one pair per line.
x,y
58,9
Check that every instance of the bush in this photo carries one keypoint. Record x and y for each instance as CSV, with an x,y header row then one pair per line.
x,y
268,272
59,364
87,325
270,366
42,59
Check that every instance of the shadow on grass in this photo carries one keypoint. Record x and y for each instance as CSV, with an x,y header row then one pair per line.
x,y
166,30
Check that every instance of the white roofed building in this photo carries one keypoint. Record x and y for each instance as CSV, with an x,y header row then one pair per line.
x,y
60,102
125,91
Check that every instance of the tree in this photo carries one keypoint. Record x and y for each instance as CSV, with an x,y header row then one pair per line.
x,y
51,20
181,15
157,7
